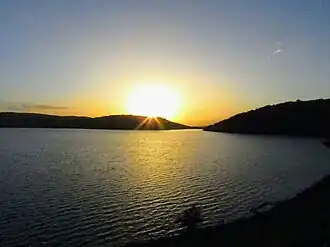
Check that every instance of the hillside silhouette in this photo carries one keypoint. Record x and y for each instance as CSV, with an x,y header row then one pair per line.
x,y
299,118
123,122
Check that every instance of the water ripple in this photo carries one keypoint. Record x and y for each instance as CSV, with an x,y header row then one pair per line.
x,y
96,188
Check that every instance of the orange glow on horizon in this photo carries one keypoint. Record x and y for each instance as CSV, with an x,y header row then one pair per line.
x,y
154,101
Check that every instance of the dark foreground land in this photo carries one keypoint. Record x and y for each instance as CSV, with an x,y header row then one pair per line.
x,y
301,221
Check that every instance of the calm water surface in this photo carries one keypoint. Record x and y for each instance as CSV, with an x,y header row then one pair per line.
x,y
105,188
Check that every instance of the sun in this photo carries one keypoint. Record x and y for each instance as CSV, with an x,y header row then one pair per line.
x,y
153,101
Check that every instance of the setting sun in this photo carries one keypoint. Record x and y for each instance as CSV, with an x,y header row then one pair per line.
x,y
153,101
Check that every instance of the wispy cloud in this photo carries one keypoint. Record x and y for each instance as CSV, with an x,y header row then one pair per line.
x,y
5,106
45,107
277,51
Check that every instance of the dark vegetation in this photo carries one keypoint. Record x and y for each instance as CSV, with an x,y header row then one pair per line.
x,y
299,118
301,221
190,218
327,143
124,122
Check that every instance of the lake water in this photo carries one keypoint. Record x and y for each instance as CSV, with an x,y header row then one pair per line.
x,y
105,188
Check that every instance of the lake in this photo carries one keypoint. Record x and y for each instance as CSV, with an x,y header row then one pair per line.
x,y
105,188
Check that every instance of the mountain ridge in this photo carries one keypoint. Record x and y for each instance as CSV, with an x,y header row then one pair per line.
x,y
120,122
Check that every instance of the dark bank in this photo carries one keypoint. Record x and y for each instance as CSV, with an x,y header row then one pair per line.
x,y
301,221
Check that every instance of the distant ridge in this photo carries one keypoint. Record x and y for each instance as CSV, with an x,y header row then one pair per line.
x,y
299,118
123,122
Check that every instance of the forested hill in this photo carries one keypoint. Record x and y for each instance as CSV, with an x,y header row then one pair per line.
x,y
126,122
299,118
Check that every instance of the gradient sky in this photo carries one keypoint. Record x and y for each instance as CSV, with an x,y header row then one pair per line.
x,y
223,57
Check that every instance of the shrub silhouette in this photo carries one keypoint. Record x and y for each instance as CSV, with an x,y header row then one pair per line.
x,y
190,217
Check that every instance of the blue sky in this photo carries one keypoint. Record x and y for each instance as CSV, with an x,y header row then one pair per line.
x,y
83,57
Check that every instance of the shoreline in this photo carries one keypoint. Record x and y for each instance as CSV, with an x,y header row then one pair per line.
x,y
321,137
303,220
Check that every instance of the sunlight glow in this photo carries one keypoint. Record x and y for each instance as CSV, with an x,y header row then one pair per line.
x,y
154,101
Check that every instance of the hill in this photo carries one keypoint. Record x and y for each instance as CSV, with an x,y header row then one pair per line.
x,y
124,122
299,118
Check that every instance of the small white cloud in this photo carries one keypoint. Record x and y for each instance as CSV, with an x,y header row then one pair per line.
x,y
277,51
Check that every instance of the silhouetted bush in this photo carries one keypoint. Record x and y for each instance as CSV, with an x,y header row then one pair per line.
x,y
190,217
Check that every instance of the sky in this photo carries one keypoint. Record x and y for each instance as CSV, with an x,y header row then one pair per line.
x,y
222,57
